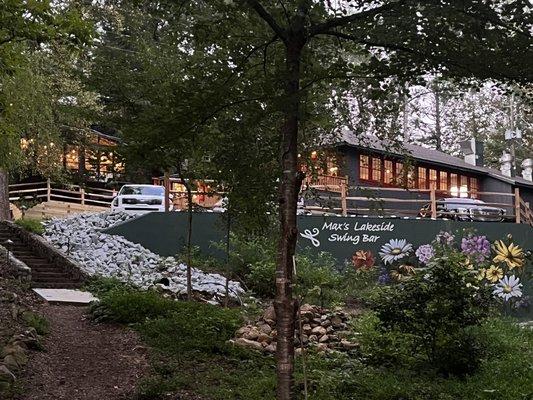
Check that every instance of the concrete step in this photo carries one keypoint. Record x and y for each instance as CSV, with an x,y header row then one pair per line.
x,y
44,285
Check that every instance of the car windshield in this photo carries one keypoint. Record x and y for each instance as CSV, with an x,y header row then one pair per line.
x,y
143,190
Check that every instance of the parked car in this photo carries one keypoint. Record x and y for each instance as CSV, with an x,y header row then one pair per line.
x,y
140,198
465,209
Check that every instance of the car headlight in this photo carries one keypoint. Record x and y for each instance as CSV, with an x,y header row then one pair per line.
x,y
115,201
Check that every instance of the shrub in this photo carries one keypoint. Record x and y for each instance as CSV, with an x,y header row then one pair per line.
x,y
132,306
31,225
100,286
316,279
435,310
36,321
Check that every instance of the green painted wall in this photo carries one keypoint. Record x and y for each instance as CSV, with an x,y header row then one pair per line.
x,y
165,233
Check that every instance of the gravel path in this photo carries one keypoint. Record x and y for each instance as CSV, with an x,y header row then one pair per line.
x,y
83,360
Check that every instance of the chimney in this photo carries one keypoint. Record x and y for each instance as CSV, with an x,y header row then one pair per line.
x,y
506,164
527,169
473,151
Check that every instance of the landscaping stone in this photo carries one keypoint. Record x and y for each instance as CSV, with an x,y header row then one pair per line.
x,y
81,239
321,328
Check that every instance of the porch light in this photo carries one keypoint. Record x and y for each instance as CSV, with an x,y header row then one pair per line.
x,y
314,155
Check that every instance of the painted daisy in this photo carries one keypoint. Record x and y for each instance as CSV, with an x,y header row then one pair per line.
x,y
494,274
511,255
508,287
395,250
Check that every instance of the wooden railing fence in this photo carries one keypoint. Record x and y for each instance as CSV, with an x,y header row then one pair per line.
x,y
48,190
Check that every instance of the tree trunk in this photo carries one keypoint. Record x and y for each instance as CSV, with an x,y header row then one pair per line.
x,y
284,304
228,257
438,128
4,195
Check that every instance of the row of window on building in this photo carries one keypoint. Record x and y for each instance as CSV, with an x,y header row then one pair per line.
x,y
379,171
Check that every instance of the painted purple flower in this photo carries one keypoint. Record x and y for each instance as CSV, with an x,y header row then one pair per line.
x,y
384,277
478,247
425,253
445,238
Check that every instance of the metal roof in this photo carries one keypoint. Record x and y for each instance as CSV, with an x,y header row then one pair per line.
x,y
424,154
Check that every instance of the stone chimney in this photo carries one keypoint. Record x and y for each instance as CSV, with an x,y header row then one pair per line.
x,y
527,169
506,164
473,151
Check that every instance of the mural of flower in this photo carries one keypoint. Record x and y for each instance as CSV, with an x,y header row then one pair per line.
x,y
478,247
364,260
445,238
482,273
508,287
395,250
425,253
511,255
494,274
402,273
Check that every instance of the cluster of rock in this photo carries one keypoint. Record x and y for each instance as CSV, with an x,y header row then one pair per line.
x,y
13,356
80,238
323,329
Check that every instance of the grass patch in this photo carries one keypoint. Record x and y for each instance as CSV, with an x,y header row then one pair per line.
x,y
31,225
36,321
190,354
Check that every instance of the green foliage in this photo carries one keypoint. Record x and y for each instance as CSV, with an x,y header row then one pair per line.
x,y
132,306
36,321
101,286
433,313
31,225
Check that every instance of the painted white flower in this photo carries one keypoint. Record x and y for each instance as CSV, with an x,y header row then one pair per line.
x,y
508,287
396,249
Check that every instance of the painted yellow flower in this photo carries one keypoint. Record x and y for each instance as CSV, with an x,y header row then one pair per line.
x,y
403,272
511,255
467,263
482,273
494,273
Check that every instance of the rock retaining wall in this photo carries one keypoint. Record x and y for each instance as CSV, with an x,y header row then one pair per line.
x,y
16,268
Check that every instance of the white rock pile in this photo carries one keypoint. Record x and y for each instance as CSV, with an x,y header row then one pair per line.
x,y
80,238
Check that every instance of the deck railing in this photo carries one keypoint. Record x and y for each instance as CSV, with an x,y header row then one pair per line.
x,y
48,190
398,202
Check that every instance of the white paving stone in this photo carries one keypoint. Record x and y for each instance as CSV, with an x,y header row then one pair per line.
x,y
67,296
81,239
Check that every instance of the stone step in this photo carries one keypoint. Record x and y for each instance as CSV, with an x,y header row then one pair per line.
x,y
70,285
52,280
48,274
33,260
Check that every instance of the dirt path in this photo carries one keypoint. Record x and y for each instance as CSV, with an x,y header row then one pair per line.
x,y
83,360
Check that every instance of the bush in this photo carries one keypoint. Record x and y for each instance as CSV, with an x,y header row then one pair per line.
x,y
131,306
100,286
31,225
433,313
36,321
316,279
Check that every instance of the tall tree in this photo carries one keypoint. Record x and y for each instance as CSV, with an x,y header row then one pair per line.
x,y
25,103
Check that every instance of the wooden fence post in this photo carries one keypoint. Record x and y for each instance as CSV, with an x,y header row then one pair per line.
x,y
48,189
517,205
82,193
433,198
343,199
167,190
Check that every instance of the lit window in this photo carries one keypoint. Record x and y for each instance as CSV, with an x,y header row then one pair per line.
x,y
411,181
376,169
422,178
454,183
389,172
432,179
474,188
399,174
443,182
364,168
